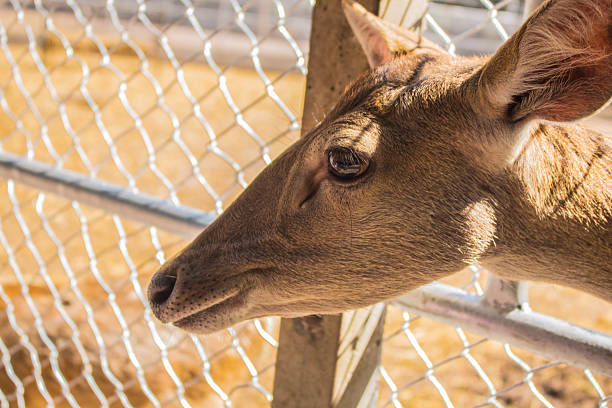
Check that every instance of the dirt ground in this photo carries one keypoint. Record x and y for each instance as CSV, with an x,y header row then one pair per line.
x,y
124,261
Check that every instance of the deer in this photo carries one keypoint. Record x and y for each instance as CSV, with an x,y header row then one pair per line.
x,y
427,164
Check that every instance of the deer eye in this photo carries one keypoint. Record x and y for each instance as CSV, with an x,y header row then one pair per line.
x,y
347,164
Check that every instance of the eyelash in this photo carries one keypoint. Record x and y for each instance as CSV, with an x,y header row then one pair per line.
x,y
355,163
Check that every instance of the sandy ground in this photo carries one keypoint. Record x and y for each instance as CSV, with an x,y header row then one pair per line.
x,y
125,260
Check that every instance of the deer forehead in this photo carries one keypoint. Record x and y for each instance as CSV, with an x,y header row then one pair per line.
x,y
355,131
407,100
375,87
405,84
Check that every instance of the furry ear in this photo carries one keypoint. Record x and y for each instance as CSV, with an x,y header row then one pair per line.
x,y
557,67
382,41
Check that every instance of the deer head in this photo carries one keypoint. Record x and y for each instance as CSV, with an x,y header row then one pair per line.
x,y
412,176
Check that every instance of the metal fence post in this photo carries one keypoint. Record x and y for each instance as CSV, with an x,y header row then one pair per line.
x,y
504,294
531,5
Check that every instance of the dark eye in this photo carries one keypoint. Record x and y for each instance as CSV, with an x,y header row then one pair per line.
x,y
346,163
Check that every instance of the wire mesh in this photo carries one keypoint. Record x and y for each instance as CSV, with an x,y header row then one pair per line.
x,y
447,366
125,100
189,100
143,95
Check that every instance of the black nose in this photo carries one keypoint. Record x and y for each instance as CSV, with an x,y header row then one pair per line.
x,y
161,287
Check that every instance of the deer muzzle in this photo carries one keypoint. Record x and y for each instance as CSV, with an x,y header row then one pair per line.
x,y
175,292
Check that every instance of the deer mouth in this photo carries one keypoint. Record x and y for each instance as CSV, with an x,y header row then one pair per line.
x,y
215,317
220,306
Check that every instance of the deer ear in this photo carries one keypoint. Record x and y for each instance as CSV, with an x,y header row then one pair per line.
x,y
557,67
382,41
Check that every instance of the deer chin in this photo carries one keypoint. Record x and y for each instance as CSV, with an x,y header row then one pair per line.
x,y
216,317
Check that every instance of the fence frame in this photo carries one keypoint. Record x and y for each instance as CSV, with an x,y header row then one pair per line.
x,y
337,356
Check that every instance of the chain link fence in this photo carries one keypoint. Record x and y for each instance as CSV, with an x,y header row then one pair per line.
x,y
187,101
180,100
448,366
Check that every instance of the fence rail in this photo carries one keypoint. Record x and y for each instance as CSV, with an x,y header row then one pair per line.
x,y
118,120
182,221
514,324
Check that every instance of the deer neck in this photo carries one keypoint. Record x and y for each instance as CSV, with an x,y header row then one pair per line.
x,y
554,210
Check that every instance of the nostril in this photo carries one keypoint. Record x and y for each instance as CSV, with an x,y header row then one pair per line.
x,y
161,287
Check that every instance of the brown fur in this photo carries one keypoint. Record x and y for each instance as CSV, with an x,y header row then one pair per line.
x,y
466,166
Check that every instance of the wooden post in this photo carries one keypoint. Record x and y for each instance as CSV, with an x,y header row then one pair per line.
x,y
357,377
308,346
332,361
